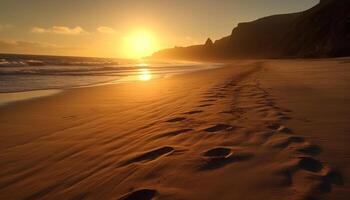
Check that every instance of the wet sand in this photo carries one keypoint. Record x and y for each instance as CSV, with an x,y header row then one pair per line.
x,y
228,133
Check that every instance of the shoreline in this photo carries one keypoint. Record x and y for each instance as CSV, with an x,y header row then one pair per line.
x,y
14,97
7,98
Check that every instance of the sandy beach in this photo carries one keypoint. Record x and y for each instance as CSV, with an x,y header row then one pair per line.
x,y
268,129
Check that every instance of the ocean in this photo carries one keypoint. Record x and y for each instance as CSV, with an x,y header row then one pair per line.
x,y
22,73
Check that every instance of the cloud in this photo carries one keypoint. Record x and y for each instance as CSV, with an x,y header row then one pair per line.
x,y
15,46
24,44
64,30
106,29
39,30
5,26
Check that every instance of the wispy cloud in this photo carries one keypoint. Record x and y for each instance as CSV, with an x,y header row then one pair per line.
x,y
16,46
106,29
5,26
39,30
64,30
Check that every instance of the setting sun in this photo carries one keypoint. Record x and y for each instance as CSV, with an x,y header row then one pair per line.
x,y
139,44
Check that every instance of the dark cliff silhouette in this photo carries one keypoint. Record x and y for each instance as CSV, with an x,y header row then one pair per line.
x,y
322,31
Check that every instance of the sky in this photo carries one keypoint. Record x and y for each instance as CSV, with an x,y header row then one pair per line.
x,y
118,28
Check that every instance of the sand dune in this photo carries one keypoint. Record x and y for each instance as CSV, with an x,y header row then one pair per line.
x,y
216,134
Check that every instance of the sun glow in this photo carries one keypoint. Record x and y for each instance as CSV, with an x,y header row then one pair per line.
x,y
139,44
145,75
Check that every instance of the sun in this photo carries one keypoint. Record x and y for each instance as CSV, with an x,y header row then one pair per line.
x,y
139,44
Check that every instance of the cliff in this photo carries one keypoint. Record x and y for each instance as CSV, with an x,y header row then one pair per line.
x,y
322,31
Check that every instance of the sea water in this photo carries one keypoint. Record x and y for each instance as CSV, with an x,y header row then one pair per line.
x,y
32,75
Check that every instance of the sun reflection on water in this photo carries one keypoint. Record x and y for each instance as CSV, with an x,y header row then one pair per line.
x,y
144,74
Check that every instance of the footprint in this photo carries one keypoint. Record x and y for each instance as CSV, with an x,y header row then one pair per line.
x,y
310,149
177,119
321,178
142,194
283,129
205,105
270,103
193,112
220,152
279,128
273,126
283,142
151,155
220,157
286,110
174,133
219,127
310,164
284,118
262,109
325,183
207,100
334,176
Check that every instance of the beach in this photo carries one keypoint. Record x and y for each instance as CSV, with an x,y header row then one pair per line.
x,y
255,129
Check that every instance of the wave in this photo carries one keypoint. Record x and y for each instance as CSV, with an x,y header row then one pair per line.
x,y
54,65
26,73
25,60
